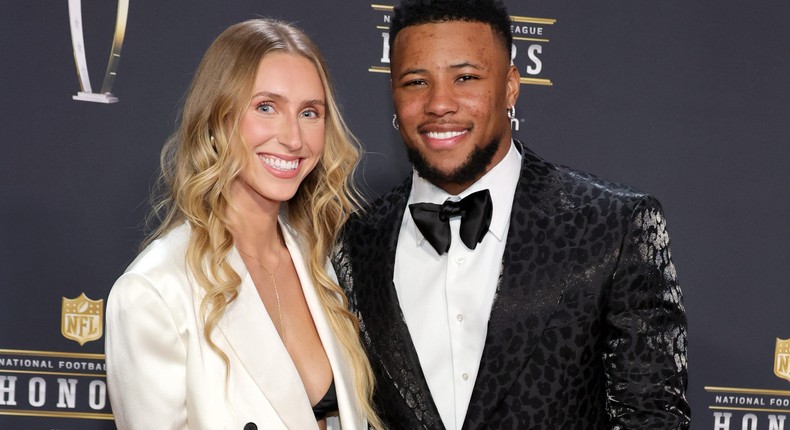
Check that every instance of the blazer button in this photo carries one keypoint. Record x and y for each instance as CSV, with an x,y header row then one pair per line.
x,y
250,426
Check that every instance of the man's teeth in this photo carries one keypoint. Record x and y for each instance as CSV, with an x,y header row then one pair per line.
x,y
444,134
280,164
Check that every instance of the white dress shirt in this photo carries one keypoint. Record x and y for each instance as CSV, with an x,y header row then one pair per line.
x,y
446,299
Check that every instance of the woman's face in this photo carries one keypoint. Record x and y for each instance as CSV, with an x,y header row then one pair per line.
x,y
282,128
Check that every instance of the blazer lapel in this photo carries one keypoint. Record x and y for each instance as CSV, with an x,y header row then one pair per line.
x,y
251,334
374,297
544,233
350,415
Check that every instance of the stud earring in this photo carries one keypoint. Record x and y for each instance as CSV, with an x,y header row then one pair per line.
x,y
213,143
395,124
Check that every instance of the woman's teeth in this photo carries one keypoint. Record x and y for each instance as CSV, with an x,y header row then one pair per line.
x,y
280,164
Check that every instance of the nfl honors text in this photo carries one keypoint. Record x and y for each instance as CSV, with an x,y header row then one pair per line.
x,y
59,384
754,408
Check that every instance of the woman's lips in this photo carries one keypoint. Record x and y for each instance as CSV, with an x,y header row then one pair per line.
x,y
280,167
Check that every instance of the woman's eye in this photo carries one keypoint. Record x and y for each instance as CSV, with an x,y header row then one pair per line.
x,y
310,114
265,108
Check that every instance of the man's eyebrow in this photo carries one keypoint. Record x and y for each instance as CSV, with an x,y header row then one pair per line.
x,y
411,72
465,64
452,66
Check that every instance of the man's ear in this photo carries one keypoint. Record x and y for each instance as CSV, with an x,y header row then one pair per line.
x,y
513,85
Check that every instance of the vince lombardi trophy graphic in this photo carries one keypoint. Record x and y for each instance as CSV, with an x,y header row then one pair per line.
x,y
78,44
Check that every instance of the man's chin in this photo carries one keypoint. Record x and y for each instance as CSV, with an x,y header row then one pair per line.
x,y
460,173
430,172
445,173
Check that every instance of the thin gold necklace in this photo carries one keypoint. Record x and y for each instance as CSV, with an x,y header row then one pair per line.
x,y
274,282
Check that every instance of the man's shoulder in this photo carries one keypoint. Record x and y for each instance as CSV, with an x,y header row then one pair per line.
x,y
382,208
565,188
368,231
580,186
584,187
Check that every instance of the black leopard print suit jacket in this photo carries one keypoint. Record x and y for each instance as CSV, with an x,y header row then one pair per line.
x,y
587,330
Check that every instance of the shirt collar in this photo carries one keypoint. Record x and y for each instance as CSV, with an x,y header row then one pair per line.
x,y
500,181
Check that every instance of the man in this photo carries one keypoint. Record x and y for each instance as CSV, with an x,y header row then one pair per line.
x,y
546,298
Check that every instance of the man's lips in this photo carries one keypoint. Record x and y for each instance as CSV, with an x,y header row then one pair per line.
x,y
444,139
444,134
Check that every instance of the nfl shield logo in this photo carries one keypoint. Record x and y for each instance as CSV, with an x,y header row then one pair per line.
x,y
82,319
782,359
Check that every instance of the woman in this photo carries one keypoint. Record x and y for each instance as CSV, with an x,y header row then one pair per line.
x,y
228,319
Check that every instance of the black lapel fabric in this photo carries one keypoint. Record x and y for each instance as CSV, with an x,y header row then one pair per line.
x,y
544,232
365,267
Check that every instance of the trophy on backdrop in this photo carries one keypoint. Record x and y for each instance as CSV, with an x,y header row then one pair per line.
x,y
78,44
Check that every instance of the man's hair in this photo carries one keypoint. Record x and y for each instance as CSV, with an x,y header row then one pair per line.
x,y
416,12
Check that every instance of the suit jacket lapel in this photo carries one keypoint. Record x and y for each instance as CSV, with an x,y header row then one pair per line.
x,y
251,335
544,232
375,299
350,415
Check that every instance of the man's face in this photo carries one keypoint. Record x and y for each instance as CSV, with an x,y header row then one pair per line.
x,y
452,84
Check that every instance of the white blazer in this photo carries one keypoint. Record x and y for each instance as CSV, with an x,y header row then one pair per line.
x,y
162,374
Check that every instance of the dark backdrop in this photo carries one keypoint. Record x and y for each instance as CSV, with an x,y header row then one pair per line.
x,y
685,100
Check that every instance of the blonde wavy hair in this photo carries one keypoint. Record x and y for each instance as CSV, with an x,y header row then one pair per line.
x,y
201,160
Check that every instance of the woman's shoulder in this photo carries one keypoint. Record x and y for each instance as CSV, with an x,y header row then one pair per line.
x,y
166,252
162,264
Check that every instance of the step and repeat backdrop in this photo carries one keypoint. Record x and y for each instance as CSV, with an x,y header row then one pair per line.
x,y
689,101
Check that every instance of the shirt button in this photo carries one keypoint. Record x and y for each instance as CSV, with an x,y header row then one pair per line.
x,y
460,317
465,376
459,260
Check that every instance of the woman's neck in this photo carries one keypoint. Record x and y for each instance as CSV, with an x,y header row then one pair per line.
x,y
253,224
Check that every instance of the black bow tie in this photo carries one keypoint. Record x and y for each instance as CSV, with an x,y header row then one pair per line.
x,y
433,220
